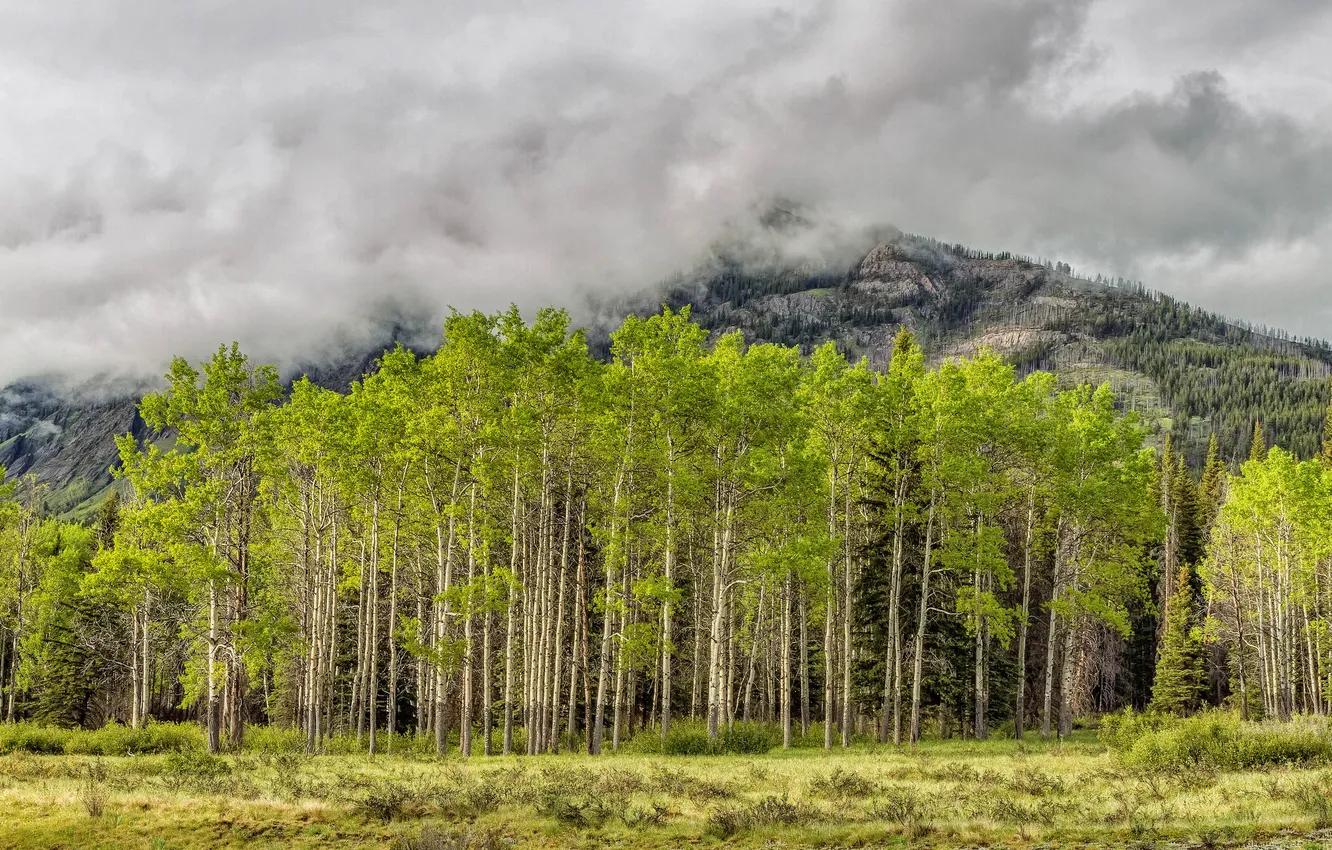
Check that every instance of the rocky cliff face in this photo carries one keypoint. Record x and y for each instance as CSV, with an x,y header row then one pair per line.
x,y
66,438
954,301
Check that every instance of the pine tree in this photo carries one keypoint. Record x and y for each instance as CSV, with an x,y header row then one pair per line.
x,y
1188,523
1258,448
1212,491
1180,674
1327,437
108,519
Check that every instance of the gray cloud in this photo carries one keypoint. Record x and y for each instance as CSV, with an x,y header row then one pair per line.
x,y
180,174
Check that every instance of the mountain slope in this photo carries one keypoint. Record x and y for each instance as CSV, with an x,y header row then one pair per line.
x,y
65,438
1183,369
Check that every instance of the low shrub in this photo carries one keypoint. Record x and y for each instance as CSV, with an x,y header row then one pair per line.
x,y
684,739
748,739
1312,796
92,791
196,769
401,744
652,815
843,786
116,740
1214,740
728,822
470,799
578,813
1036,783
386,801
111,740
688,738
905,808
273,739
31,738
435,838
617,782
682,783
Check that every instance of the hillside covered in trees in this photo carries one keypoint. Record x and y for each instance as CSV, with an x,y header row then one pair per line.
x,y
1188,371
516,545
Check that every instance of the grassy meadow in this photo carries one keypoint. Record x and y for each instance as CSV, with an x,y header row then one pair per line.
x,y
1150,786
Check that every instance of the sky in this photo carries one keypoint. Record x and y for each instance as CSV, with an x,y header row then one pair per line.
x,y
292,174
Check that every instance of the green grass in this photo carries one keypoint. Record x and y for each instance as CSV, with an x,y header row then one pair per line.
x,y
944,794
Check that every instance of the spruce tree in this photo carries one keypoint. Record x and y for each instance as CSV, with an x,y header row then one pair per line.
x,y
1187,518
1212,491
1327,438
1180,672
108,519
1258,447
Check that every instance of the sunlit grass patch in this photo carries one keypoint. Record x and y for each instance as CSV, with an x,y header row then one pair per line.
x,y
942,794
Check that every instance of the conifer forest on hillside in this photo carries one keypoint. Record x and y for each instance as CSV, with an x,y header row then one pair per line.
x,y
696,547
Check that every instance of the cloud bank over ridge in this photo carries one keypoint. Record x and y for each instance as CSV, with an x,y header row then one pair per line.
x,y
179,175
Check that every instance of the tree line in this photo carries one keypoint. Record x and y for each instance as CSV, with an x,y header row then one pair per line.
x,y
512,546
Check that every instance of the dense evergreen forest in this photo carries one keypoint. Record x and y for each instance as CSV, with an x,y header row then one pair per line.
x,y
517,546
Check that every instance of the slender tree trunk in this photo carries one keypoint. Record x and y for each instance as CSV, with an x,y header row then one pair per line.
x,y
1052,632
145,670
558,643
213,708
444,549
848,606
1066,680
785,691
804,663
1024,621
391,709
1048,702
830,614
469,639
926,569
607,630
511,614
372,687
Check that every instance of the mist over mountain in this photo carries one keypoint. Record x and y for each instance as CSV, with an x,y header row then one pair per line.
x,y
1184,370
284,175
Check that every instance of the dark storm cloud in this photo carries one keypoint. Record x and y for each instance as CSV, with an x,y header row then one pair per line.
x,y
179,174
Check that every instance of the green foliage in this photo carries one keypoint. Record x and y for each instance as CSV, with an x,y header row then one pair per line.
x,y
729,821
1215,740
1180,672
111,740
197,769
687,738
32,738
509,500
116,740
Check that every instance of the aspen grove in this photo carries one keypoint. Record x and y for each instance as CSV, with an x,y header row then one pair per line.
x,y
513,546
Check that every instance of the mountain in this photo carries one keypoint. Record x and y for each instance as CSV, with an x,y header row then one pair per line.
x,y
1183,369
65,438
